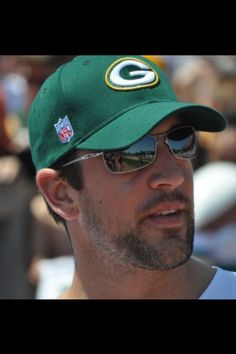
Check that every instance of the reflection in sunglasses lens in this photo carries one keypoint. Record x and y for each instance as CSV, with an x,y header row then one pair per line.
x,y
181,141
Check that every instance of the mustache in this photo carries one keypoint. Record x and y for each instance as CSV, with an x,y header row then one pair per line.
x,y
163,197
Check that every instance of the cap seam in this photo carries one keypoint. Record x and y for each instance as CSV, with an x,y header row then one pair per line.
x,y
62,88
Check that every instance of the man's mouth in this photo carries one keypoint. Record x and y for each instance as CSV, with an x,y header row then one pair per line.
x,y
166,215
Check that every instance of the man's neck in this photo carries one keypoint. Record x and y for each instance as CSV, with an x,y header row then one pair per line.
x,y
185,282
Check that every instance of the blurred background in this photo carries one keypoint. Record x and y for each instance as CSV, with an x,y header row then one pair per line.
x,y
35,255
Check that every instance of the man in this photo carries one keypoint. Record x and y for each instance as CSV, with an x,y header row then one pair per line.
x,y
113,147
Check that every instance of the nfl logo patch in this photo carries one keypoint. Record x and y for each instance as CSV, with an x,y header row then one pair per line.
x,y
64,130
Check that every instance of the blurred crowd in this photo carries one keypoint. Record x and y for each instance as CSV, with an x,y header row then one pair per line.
x,y
27,233
29,238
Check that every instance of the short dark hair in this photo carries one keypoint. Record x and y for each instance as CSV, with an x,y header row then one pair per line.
x,y
71,173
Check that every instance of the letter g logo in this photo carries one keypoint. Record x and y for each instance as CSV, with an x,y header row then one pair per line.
x,y
130,74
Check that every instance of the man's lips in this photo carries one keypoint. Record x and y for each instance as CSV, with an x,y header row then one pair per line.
x,y
169,214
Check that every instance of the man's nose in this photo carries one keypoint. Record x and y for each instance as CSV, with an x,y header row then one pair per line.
x,y
166,172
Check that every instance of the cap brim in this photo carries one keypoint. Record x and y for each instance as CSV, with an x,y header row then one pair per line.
x,y
134,124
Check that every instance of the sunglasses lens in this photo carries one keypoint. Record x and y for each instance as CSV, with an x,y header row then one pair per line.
x,y
135,157
182,142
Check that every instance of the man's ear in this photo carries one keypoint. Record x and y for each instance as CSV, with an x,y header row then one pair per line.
x,y
58,193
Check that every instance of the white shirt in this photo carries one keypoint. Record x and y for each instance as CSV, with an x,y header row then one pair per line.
x,y
222,286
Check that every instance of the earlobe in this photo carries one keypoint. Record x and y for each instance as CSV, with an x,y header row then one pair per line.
x,y
58,193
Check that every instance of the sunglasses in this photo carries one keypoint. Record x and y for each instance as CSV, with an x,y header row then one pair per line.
x,y
181,141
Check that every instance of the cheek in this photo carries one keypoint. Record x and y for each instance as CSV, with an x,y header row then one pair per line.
x,y
188,178
114,196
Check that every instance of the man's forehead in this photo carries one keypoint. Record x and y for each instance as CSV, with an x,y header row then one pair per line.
x,y
166,125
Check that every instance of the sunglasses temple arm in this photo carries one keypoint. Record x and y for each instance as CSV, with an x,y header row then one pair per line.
x,y
84,157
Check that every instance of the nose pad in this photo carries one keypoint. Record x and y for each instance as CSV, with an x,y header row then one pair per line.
x,y
165,142
162,142
162,150
166,172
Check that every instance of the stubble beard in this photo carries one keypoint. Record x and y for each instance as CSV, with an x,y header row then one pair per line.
x,y
122,249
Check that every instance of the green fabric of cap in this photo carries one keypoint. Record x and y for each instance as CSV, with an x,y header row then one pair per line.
x,y
106,103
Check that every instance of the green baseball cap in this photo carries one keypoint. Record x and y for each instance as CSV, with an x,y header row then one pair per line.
x,y
104,103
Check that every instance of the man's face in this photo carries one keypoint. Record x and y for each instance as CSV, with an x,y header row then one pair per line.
x,y
143,218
